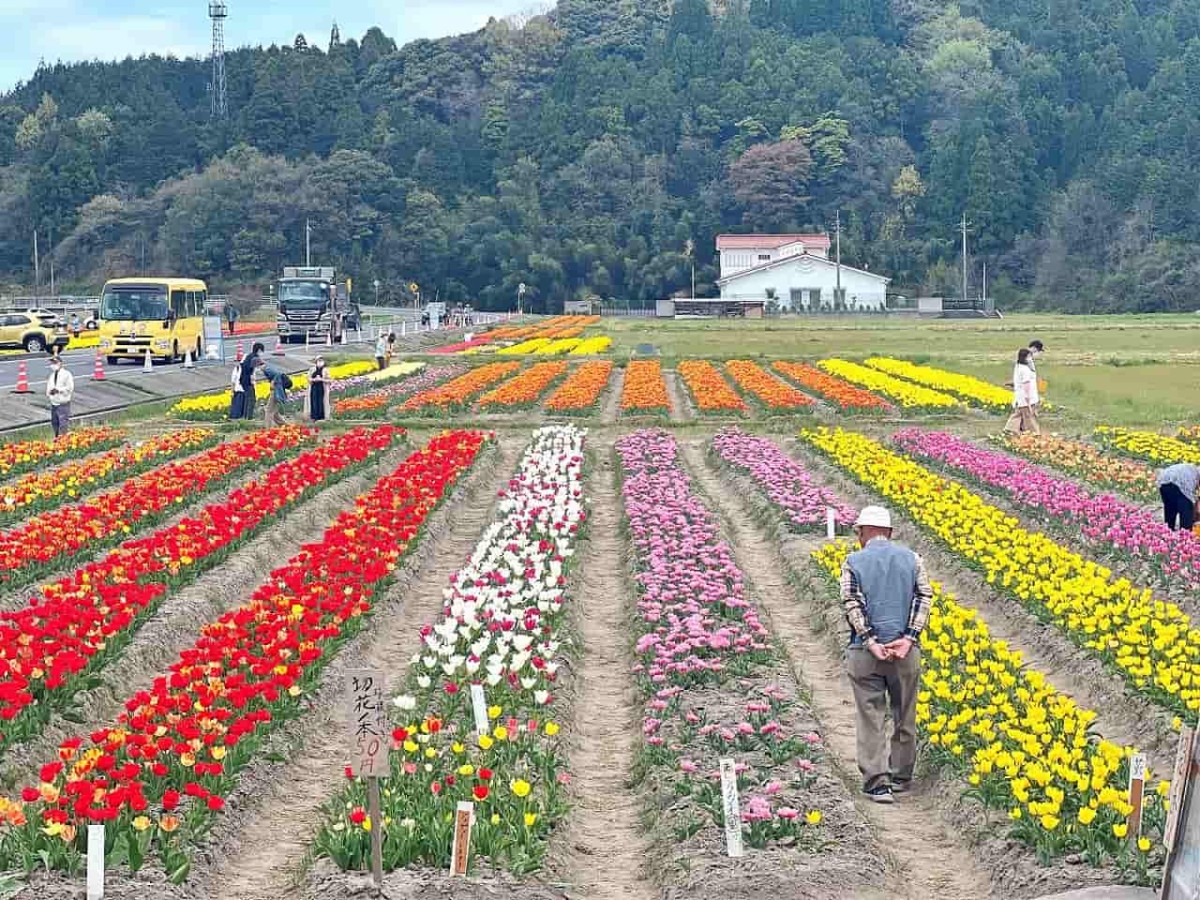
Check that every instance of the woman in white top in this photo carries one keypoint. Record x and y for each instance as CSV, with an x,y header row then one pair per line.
x,y
1025,396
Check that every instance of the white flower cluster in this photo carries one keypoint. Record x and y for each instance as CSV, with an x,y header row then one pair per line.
x,y
502,611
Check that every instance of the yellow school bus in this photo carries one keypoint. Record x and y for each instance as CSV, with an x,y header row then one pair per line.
x,y
162,315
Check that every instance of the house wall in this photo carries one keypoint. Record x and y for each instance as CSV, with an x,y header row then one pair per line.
x,y
806,283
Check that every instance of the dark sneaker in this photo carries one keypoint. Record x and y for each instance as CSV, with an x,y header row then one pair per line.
x,y
880,795
902,787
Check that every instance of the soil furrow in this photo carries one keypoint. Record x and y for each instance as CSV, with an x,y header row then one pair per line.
x,y
177,622
681,410
934,861
605,851
264,853
610,407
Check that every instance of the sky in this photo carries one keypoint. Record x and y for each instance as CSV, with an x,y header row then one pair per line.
x,y
75,30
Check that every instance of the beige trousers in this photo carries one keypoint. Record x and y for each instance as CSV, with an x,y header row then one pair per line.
x,y
1023,418
878,685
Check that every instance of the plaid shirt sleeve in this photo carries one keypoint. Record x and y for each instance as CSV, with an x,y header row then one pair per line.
x,y
918,616
855,605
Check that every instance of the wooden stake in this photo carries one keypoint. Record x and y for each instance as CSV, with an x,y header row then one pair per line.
x,y
1137,789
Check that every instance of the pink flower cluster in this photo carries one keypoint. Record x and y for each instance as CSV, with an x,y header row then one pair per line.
x,y
692,594
782,478
1101,518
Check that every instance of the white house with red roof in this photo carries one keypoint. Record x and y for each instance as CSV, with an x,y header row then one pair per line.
x,y
796,272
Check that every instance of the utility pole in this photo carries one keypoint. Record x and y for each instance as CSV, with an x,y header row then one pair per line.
x,y
307,243
986,306
37,267
964,258
690,246
837,232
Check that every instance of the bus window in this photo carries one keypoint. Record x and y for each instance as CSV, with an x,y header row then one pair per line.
x,y
191,304
201,302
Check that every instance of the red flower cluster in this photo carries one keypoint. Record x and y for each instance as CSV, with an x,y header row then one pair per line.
x,y
26,552
80,621
181,743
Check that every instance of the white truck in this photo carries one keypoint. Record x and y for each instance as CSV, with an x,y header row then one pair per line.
x,y
312,304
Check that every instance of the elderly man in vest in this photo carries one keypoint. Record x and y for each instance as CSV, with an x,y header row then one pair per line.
x,y
886,595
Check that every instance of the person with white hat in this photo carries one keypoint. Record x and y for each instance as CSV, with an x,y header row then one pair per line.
x,y
886,596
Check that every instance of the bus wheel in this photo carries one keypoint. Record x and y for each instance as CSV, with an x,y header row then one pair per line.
x,y
199,351
175,357
112,360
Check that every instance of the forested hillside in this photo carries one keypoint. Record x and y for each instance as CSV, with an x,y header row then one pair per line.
x,y
581,150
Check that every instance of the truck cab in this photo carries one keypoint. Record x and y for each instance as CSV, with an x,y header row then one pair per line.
x,y
312,304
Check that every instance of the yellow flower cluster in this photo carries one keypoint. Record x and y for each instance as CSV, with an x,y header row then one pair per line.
x,y
908,395
1028,748
1148,445
562,345
592,345
533,345
1150,642
219,401
973,390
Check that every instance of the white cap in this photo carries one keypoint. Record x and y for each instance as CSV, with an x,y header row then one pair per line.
x,y
875,516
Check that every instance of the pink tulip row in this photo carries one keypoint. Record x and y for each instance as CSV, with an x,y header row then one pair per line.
x,y
783,479
702,639
1102,519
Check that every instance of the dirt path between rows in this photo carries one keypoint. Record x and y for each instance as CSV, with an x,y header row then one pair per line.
x,y
265,856
610,407
177,622
681,410
934,862
605,849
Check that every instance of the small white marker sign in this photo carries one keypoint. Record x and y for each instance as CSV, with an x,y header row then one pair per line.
x,y
367,713
732,808
464,819
830,522
95,862
1137,793
479,706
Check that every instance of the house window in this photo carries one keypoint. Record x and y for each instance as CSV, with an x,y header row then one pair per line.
x,y
796,298
764,257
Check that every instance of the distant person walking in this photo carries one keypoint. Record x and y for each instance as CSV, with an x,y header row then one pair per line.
x,y
381,351
886,596
76,325
1177,486
1025,396
231,316
390,349
280,383
59,391
318,392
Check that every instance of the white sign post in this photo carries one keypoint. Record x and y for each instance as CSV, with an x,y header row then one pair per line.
x,y
830,522
95,862
732,809
464,819
479,705
369,750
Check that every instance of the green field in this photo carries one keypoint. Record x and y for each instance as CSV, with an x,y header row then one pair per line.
x,y
1131,370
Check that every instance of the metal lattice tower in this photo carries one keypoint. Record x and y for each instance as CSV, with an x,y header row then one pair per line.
x,y
217,11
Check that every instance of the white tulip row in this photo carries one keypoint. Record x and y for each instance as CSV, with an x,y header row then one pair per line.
x,y
501,615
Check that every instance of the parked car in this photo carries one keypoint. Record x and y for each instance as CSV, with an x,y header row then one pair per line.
x,y
34,331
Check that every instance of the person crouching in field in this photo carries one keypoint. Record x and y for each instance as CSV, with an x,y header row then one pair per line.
x,y
1177,487
1025,395
886,596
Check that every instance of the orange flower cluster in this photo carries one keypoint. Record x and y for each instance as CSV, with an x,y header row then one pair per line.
x,y
644,391
709,389
750,376
524,388
846,395
459,392
551,328
21,456
1085,461
581,391
365,404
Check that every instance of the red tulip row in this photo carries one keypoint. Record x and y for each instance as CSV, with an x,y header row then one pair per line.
x,y
30,550
159,776
51,648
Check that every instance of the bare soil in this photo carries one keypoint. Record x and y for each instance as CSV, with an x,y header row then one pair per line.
x,y
932,861
610,406
681,405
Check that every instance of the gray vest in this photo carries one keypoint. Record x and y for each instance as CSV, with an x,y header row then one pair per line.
x,y
887,576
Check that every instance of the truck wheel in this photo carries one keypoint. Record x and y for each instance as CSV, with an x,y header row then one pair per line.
x,y
112,360
175,357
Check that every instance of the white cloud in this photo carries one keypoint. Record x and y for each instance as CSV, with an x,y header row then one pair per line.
x,y
119,37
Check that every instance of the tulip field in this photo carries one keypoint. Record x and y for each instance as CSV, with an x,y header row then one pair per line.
x,y
592,580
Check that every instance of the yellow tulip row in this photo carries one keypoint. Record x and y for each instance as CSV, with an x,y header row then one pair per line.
x,y
219,401
1022,746
1148,445
1152,643
973,390
905,393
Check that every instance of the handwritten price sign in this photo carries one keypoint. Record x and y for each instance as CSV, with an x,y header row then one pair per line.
x,y
368,723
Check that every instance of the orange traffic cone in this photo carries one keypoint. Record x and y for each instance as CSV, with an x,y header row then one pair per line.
x,y
98,371
241,351
22,379
278,351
